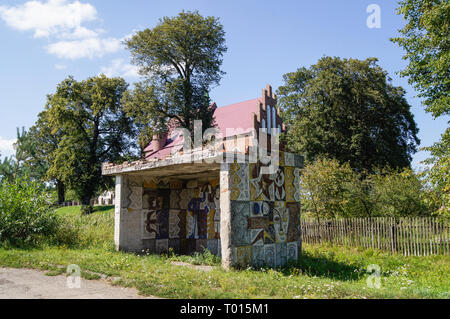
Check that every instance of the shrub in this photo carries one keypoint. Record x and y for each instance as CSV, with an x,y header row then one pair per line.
x,y
25,213
398,193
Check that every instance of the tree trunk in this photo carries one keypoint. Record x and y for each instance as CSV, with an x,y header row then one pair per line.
x,y
61,191
86,207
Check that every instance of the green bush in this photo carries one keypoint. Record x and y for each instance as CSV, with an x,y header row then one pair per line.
x,y
25,213
330,189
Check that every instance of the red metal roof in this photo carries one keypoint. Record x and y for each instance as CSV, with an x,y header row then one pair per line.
x,y
235,116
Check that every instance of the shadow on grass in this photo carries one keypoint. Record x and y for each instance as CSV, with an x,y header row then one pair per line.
x,y
321,267
102,209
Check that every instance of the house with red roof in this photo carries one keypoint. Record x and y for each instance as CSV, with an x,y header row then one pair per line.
x,y
237,195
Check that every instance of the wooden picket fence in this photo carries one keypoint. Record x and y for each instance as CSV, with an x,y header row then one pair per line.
x,y
421,236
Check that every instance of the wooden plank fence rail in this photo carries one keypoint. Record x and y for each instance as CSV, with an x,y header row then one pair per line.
x,y
412,236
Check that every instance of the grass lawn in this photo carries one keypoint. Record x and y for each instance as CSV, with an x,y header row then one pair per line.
x,y
323,272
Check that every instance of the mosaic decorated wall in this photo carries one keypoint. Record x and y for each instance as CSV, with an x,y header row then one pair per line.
x,y
155,216
265,213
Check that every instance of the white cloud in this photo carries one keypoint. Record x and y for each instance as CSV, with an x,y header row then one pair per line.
x,y
52,17
119,68
6,147
61,21
85,48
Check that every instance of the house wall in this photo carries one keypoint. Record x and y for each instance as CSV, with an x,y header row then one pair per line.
x,y
261,223
154,216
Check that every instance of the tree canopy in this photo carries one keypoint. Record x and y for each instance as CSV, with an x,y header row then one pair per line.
x,y
180,60
94,129
348,109
426,41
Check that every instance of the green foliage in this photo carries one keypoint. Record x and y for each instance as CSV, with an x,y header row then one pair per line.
x,y
398,194
438,174
326,188
93,230
330,189
347,109
426,40
324,272
180,59
94,129
7,167
25,215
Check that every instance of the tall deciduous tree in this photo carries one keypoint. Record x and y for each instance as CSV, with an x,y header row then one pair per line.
x,y
38,152
94,129
426,41
180,60
347,109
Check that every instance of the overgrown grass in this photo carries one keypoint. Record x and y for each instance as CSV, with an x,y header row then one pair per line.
x,y
323,272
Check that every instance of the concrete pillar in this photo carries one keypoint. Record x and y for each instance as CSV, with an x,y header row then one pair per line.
x,y
225,216
128,213
117,211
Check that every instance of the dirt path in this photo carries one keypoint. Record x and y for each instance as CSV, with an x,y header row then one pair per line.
x,y
33,284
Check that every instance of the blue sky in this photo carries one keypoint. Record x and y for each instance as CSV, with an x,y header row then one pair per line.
x,y
44,41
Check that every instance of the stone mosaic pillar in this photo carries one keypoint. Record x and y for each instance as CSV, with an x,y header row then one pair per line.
x,y
225,216
260,221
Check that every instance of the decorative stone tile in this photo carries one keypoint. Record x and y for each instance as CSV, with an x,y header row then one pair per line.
x,y
269,235
182,223
258,259
240,188
289,184
163,223
152,200
281,254
135,198
149,183
244,256
297,194
293,232
202,220
175,199
255,182
213,246
279,190
186,195
289,159
240,211
280,221
191,225
257,237
174,224
150,226
299,161
162,246
292,251
213,224
269,255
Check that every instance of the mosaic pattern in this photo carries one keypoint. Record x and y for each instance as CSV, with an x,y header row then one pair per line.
x,y
240,189
266,229
186,220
